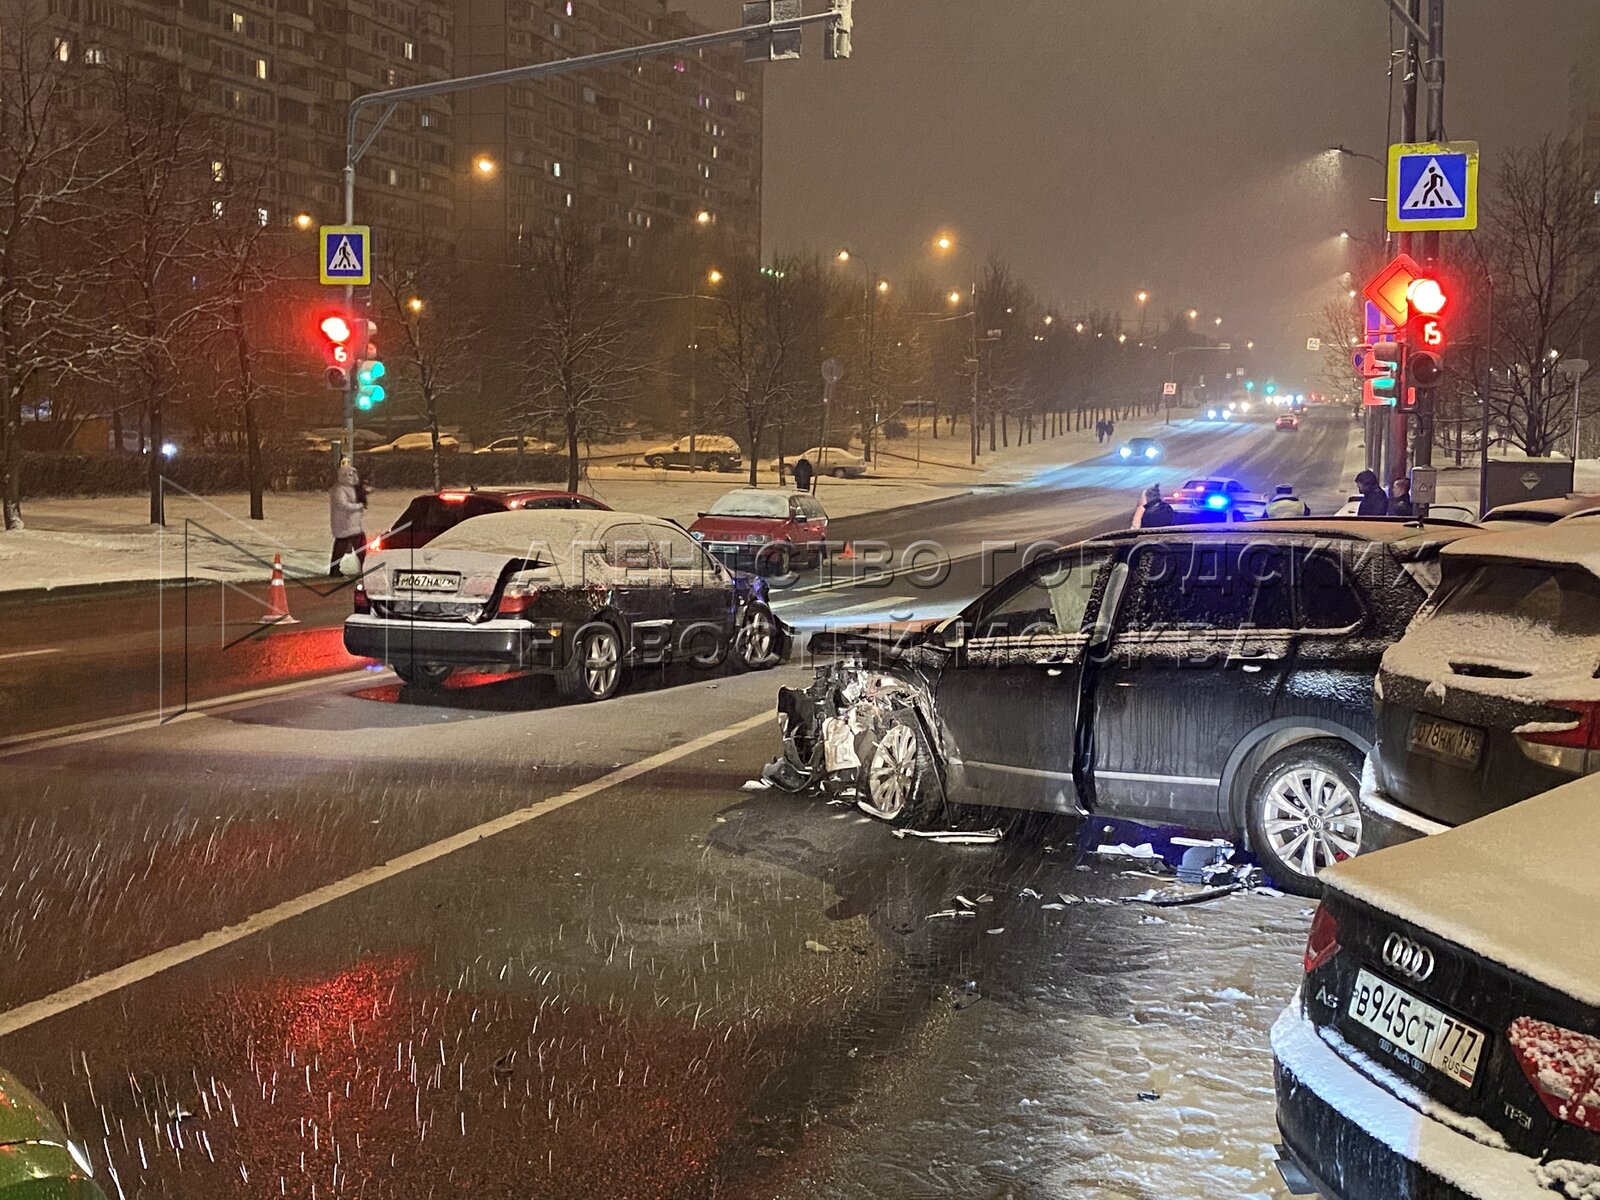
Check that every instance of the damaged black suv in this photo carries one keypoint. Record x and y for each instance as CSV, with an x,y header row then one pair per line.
x,y
1218,680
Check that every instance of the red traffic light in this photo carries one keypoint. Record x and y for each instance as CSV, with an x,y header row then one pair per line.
x,y
336,329
1427,296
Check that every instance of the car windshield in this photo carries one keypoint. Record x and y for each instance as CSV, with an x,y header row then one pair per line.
x,y
1550,601
432,515
752,504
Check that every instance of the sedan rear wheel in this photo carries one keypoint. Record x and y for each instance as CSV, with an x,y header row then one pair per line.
x,y
1304,813
595,672
425,676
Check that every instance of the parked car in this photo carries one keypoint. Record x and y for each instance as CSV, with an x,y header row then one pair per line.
x,y
1493,694
430,514
1288,422
508,445
37,1160
584,596
1443,1041
712,452
1219,680
325,439
1140,449
832,461
1461,514
415,443
771,533
1537,512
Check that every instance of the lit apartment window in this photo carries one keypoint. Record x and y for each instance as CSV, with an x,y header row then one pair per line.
x,y
716,152
216,210
63,50
555,169
217,171
393,177
555,30
390,77
630,166
237,22
409,49
569,199
95,56
261,68
740,96
262,217
649,124
588,95
569,8
680,66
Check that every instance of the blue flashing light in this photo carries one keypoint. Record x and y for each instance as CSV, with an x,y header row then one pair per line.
x,y
1216,500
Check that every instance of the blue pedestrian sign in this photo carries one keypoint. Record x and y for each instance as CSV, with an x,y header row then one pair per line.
x,y
1433,186
347,255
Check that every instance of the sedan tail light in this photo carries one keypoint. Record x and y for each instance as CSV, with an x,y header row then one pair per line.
x,y
517,599
1323,942
362,604
1563,1066
1569,745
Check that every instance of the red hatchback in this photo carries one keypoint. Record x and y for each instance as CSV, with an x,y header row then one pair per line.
x,y
767,532
429,515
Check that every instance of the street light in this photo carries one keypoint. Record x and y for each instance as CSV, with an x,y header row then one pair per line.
x,y
1343,149
1194,313
1217,321
704,217
1344,235
713,277
954,297
484,165
946,243
883,287
1249,345
1078,328
1141,296
1049,320
302,220
414,305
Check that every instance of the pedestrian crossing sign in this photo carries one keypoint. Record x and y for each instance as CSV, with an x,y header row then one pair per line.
x,y
347,255
1433,186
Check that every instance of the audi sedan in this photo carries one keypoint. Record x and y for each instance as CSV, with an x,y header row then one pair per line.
x,y
1443,1044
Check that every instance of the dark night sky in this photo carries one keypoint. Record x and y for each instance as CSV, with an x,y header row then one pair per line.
x,y
1163,144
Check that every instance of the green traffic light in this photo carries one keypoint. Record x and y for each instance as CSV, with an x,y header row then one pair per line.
x,y
370,373
363,401
1249,385
1271,388
373,394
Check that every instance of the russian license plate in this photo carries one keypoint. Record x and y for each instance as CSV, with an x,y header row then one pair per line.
x,y
426,581
1447,741
1415,1028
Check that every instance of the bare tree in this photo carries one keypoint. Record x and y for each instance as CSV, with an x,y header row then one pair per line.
x,y
761,313
1542,246
582,353
48,170
168,190
420,289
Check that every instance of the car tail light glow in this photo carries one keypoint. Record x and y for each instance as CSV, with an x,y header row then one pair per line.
x,y
375,545
361,603
1566,745
452,497
1323,941
1563,1066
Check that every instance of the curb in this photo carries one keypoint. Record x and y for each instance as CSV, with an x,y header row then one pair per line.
x,y
104,589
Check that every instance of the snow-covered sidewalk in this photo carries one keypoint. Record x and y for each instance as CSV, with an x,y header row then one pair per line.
x,y
98,540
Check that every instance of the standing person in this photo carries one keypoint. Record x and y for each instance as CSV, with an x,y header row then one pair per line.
x,y
1285,503
804,473
347,505
1099,429
1111,430
1374,500
1400,504
1154,512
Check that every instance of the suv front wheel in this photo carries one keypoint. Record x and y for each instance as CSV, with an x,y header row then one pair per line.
x,y
1304,814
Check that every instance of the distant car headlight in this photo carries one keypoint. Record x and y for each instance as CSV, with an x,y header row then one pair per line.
x,y
1211,414
1125,452
1245,406
1227,416
1152,452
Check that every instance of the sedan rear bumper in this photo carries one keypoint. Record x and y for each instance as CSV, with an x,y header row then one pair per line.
x,y
502,645
1354,1139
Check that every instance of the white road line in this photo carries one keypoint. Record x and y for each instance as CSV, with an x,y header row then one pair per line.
x,y
882,604
105,727
144,968
29,653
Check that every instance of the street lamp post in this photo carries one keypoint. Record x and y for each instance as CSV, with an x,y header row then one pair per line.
x,y
946,243
874,288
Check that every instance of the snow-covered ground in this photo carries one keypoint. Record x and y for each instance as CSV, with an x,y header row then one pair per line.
x,y
74,541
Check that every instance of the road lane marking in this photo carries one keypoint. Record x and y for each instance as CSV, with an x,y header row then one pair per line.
x,y
106,727
29,653
114,980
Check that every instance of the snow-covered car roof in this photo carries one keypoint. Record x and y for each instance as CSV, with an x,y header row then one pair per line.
x,y
1406,540
1505,886
554,531
1565,543
751,502
1545,511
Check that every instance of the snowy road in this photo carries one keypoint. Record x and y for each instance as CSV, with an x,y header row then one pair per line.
x,y
333,938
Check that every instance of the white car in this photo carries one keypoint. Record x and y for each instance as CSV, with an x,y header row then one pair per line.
x,y
1436,512
1442,1043
830,460
1213,492
508,445
413,443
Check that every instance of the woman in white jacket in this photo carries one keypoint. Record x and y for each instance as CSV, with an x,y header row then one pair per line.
x,y
347,505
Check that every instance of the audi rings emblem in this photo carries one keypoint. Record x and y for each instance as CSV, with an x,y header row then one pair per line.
x,y
1407,957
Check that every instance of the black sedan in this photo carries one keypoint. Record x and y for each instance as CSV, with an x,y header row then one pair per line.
x,y
1216,679
581,595
1443,1043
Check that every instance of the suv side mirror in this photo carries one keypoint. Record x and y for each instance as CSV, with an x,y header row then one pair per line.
x,y
949,634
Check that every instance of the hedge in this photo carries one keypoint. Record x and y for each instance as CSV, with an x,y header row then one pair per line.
x,y
211,472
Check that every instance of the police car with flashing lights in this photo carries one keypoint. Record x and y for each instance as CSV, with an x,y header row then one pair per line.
x,y
1216,494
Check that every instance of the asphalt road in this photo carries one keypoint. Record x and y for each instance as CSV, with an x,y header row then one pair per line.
x,y
344,939
139,649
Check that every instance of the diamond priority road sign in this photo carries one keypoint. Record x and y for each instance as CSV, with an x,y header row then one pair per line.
x,y
1433,186
1387,289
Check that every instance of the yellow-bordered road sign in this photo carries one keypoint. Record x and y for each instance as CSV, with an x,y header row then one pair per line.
x,y
346,254
1433,186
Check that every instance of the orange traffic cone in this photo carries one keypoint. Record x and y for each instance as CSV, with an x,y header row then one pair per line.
x,y
847,552
277,598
